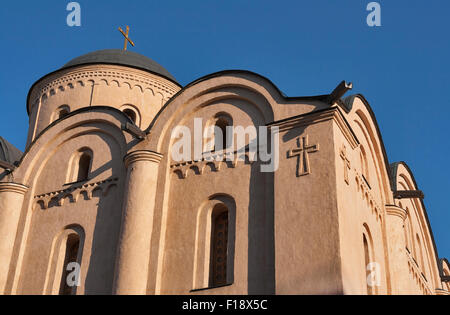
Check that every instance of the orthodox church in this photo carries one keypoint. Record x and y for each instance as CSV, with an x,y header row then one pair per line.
x,y
98,205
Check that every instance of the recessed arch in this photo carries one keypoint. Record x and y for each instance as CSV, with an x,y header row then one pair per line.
x,y
80,165
402,178
61,112
67,248
261,96
369,259
219,209
133,113
217,134
361,116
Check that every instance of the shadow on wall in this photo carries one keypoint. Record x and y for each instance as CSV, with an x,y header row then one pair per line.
x,y
3,174
261,240
100,275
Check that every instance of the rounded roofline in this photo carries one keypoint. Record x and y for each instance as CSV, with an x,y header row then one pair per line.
x,y
10,153
320,98
71,114
122,58
106,57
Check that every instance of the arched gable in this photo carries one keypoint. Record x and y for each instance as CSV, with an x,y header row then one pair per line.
x,y
242,100
51,204
105,119
266,99
363,122
402,178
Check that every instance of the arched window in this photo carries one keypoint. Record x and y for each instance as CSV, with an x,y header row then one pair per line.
x,y
61,112
72,250
221,140
66,253
215,243
219,246
131,114
81,166
367,262
372,274
84,166
218,138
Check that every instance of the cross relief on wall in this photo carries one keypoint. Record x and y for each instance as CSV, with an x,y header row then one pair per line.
x,y
302,154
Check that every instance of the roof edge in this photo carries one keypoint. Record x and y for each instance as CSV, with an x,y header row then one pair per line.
x,y
321,98
91,64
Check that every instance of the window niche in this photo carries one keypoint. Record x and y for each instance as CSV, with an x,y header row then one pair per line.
x,y
132,113
61,112
217,138
80,166
219,246
65,262
215,244
369,260
71,256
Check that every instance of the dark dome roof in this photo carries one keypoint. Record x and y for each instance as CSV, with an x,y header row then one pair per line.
x,y
123,58
8,152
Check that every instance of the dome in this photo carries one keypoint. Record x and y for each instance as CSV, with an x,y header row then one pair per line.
x,y
123,58
8,152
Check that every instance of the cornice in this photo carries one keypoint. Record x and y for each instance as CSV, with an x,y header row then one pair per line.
x,y
13,187
396,211
142,155
68,78
332,113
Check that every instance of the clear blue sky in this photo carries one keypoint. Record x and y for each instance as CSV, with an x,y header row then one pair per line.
x,y
304,47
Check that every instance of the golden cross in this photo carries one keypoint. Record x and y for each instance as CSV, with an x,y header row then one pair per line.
x,y
127,39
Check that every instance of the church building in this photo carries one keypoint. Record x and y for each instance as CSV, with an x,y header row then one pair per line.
x,y
97,203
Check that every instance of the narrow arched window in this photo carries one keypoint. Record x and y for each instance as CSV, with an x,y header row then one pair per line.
x,y
223,137
72,249
221,142
366,263
80,167
219,246
84,166
61,112
372,267
131,114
